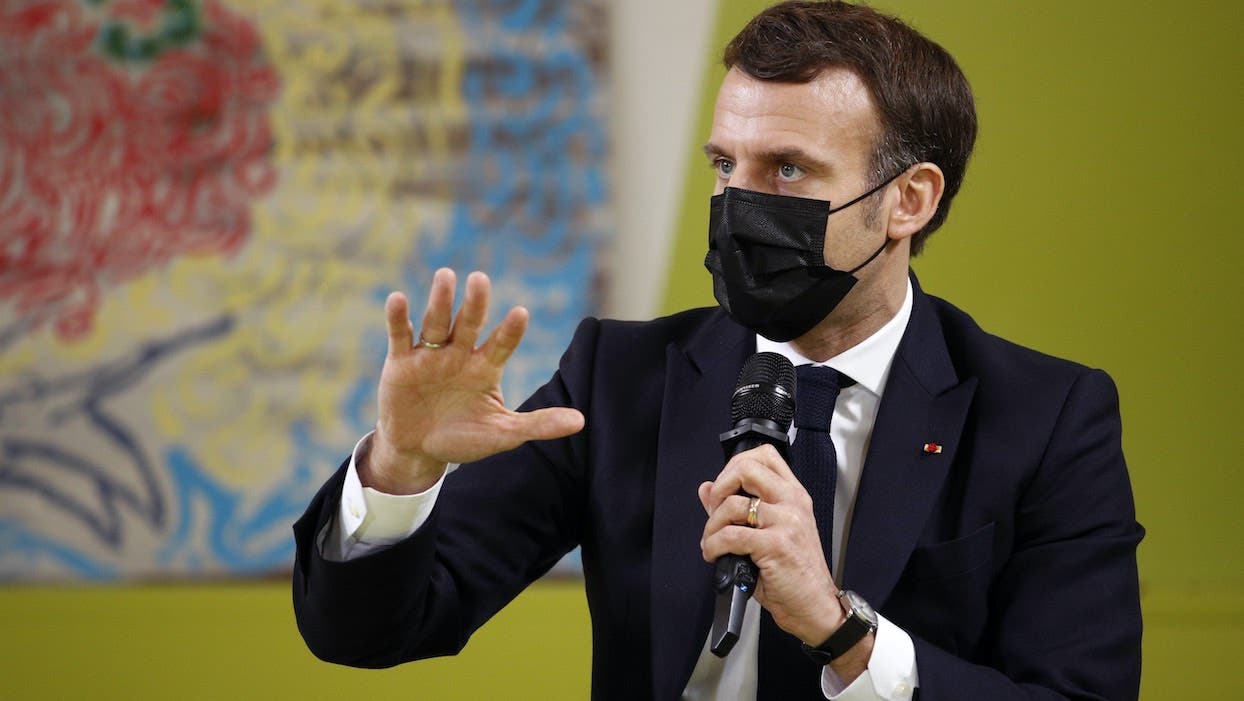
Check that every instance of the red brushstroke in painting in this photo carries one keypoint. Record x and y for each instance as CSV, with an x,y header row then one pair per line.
x,y
110,167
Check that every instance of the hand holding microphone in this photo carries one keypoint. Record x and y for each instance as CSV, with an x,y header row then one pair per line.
x,y
761,530
761,410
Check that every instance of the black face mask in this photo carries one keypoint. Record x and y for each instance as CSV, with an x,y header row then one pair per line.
x,y
767,257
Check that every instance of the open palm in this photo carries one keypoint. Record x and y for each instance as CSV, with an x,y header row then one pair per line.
x,y
440,397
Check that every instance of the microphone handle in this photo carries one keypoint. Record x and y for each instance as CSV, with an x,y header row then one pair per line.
x,y
735,576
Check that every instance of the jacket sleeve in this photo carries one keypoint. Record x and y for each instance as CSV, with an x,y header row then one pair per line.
x,y
498,525
1065,619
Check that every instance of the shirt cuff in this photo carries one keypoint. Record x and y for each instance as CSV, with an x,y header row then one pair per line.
x,y
891,673
369,520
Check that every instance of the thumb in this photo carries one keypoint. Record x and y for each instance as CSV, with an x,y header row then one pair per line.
x,y
546,424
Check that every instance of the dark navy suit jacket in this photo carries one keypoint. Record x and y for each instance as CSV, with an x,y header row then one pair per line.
x,y
1009,557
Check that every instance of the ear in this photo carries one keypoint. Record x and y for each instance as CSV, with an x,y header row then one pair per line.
x,y
919,192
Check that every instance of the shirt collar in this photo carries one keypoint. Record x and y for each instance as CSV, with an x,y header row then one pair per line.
x,y
868,362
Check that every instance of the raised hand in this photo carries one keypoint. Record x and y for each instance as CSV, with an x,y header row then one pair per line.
x,y
440,394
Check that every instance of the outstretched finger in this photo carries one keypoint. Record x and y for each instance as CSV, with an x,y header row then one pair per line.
x,y
474,311
397,323
439,314
547,424
505,338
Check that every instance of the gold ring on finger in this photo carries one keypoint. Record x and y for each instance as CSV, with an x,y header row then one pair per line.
x,y
430,345
753,512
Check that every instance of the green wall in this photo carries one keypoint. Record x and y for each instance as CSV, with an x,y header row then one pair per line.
x,y
238,641
1097,223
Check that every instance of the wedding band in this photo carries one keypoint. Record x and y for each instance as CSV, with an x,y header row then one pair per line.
x,y
430,345
753,518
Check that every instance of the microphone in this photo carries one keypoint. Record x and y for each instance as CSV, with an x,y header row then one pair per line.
x,y
761,409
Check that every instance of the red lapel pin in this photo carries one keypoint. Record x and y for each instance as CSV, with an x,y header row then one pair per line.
x,y
933,448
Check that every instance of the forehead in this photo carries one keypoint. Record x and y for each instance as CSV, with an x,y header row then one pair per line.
x,y
831,116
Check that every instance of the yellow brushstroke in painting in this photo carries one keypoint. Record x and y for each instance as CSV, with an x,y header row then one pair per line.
x,y
332,230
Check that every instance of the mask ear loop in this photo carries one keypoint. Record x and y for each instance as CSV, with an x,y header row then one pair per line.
x,y
871,258
871,192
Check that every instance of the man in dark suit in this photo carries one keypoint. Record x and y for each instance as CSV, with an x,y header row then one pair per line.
x,y
978,496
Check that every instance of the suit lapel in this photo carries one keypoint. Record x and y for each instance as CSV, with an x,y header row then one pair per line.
x,y
924,403
696,408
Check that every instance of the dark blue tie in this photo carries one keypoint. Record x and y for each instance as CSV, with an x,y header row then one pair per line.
x,y
784,671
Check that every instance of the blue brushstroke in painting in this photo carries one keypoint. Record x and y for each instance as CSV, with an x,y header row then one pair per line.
x,y
533,173
35,462
21,549
533,176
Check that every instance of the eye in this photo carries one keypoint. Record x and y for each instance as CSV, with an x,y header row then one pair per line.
x,y
789,171
724,167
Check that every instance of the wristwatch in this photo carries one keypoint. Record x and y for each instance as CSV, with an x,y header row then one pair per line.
x,y
861,620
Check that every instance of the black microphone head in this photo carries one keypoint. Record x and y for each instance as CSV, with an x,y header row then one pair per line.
x,y
765,390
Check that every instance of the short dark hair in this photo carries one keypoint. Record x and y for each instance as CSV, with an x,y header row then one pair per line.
x,y
925,103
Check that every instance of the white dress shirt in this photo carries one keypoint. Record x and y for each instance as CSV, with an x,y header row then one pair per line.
x,y
369,520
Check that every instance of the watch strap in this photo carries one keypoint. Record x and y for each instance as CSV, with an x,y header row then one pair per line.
x,y
852,630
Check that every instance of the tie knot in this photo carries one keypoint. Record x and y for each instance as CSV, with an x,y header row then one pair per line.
x,y
816,392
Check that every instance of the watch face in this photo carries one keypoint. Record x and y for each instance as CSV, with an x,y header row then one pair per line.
x,y
861,607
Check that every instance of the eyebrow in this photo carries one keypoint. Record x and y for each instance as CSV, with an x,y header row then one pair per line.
x,y
780,155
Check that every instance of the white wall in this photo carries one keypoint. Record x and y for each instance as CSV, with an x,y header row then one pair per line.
x,y
658,57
